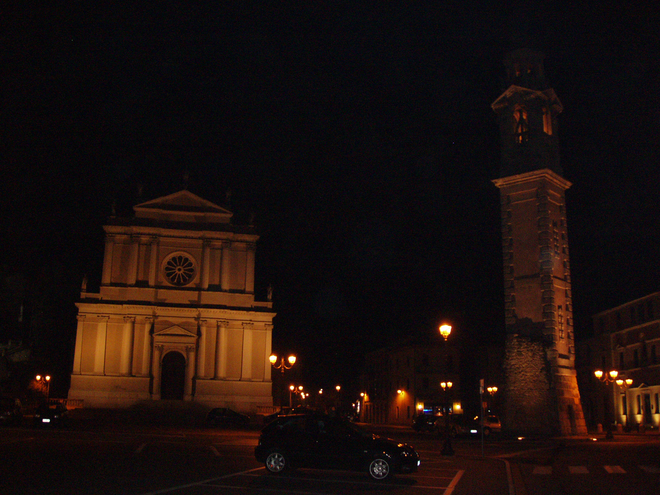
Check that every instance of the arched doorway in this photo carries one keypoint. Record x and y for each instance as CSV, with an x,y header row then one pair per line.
x,y
173,376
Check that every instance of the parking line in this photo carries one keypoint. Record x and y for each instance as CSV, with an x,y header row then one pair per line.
x,y
454,482
198,483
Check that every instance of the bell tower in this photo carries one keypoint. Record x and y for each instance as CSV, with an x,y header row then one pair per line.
x,y
541,394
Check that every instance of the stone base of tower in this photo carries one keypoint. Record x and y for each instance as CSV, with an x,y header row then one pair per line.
x,y
537,399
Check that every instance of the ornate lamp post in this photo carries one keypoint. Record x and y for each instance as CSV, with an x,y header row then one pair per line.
x,y
447,448
45,383
492,391
285,364
607,378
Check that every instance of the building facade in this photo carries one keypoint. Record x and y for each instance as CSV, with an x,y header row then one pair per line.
x,y
541,394
175,317
400,382
626,339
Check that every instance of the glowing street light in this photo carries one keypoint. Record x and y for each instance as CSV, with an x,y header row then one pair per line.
x,y
445,330
285,364
45,382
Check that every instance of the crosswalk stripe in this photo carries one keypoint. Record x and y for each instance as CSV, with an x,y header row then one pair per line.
x,y
615,469
542,470
578,470
650,469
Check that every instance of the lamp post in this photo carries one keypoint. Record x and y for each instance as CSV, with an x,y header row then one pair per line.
x,y
447,448
284,364
607,378
492,391
45,382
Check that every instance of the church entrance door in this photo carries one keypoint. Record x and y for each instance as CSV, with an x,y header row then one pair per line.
x,y
173,376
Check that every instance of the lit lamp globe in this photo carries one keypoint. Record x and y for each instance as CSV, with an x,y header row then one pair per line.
x,y
445,330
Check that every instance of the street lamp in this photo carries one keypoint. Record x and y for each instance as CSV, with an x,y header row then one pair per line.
x,y
45,382
447,448
291,360
445,330
284,364
607,378
492,391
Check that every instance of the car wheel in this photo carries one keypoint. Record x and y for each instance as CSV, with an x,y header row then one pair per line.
x,y
380,468
276,462
486,431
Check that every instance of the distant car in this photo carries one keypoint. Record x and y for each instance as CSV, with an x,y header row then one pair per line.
x,y
427,422
320,441
51,415
491,425
223,416
286,411
10,411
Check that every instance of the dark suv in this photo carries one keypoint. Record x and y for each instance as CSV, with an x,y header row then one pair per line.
x,y
320,441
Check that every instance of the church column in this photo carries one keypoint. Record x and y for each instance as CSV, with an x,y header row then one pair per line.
x,y
101,337
201,353
269,351
221,350
206,265
190,372
133,260
246,371
155,371
127,346
77,356
107,259
224,274
249,269
146,346
153,261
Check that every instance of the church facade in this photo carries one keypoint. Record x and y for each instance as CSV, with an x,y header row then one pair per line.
x,y
175,317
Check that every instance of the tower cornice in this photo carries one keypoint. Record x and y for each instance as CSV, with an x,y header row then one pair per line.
x,y
532,176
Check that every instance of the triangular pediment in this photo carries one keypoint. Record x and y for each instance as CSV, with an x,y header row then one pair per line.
x,y
183,206
175,330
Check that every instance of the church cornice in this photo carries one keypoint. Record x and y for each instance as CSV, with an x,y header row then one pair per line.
x,y
518,94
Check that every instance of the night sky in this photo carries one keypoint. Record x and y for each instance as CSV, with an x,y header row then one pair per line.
x,y
360,136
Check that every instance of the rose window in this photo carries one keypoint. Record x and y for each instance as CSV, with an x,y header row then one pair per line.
x,y
180,270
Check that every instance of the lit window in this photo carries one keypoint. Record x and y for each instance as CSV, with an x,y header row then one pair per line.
x,y
521,126
547,121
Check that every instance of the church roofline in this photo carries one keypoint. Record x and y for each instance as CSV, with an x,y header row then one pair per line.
x,y
525,94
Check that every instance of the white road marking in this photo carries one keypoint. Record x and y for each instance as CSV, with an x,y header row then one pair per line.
x,y
614,469
578,470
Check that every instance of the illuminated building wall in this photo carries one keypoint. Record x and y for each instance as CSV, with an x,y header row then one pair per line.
x,y
175,317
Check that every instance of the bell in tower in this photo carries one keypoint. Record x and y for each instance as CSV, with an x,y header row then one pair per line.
x,y
527,114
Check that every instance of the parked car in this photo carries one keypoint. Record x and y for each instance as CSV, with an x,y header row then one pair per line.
x,y
10,411
286,411
223,416
427,422
51,415
320,441
491,425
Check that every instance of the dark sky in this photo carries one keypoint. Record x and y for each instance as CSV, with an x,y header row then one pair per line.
x,y
359,133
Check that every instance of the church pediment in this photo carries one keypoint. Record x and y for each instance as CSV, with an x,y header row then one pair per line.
x,y
183,206
174,330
